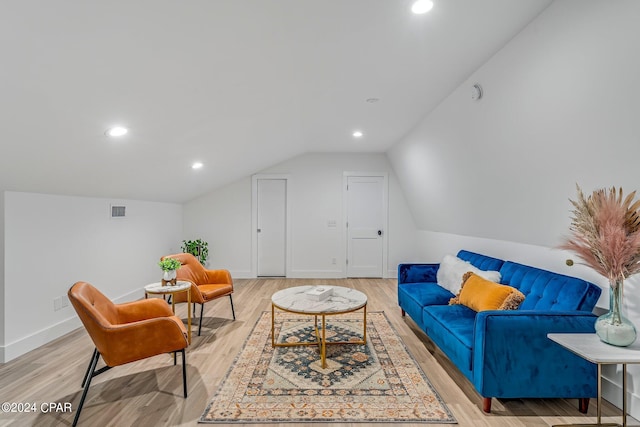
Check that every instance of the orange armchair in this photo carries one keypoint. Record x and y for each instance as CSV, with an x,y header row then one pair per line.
x,y
124,333
206,285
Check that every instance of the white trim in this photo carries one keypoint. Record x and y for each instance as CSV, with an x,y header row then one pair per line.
x,y
242,274
385,212
44,336
317,274
254,221
612,392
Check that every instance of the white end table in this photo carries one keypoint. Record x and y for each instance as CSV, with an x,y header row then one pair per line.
x,y
295,300
180,286
589,347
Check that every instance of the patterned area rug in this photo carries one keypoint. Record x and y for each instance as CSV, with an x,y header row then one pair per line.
x,y
377,382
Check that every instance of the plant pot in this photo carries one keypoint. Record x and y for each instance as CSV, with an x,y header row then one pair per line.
x,y
613,328
169,275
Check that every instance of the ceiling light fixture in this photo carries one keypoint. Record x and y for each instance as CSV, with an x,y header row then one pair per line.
x,y
117,131
357,134
372,100
421,6
197,165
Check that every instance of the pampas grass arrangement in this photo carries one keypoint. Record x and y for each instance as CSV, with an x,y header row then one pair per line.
x,y
605,232
605,235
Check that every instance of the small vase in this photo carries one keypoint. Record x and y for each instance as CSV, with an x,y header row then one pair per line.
x,y
613,328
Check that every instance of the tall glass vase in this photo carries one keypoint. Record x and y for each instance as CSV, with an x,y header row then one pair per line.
x,y
612,327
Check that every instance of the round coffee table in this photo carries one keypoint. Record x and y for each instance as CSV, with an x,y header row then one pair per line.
x,y
300,300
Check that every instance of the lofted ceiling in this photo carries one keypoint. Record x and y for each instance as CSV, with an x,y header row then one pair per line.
x,y
238,85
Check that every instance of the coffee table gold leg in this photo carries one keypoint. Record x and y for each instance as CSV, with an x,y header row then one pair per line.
x,y
364,327
323,344
273,338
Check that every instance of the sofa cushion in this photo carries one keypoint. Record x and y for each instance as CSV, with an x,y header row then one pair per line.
x,y
451,328
414,296
483,262
452,269
480,294
545,290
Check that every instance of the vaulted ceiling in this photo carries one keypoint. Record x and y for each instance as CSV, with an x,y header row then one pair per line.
x,y
238,85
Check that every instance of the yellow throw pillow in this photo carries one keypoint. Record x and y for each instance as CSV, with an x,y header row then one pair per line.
x,y
480,294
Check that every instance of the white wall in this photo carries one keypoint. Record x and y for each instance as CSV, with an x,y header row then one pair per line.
x,y
560,107
2,195
51,242
223,217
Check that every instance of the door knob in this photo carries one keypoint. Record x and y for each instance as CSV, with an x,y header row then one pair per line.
x,y
259,230
379,232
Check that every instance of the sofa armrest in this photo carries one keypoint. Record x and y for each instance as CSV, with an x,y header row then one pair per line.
x,y
417,273
512,356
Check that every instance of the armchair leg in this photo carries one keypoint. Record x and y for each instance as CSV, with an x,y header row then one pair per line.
x,y
184,372
486,404
402,312
200,325
87,383
232,310
84,381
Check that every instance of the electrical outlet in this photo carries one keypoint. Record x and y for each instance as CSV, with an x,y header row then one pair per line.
x,y
333,261
57,303
65,301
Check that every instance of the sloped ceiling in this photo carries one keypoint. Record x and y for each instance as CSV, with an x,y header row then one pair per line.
x,y
237,85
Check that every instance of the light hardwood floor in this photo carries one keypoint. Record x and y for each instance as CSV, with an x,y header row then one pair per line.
x,y
149,392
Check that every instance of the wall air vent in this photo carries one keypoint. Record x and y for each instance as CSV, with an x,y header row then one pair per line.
x,y
117,211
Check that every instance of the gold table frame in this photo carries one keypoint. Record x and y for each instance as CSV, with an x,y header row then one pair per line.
x,y
321,340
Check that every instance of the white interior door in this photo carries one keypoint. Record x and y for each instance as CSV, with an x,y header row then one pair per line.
x,y
272,220
365,226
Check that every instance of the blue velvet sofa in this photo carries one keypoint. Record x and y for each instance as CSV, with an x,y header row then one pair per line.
x,y
506,354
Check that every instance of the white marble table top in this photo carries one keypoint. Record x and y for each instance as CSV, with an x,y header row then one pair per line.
x,y
589,347
157,288
341,301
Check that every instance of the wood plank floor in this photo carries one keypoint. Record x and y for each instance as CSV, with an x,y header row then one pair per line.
x,y
149,392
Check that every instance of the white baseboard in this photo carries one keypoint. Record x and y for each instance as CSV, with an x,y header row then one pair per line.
x,y
308,274
46,335
242,274
612,392
37,339
316,274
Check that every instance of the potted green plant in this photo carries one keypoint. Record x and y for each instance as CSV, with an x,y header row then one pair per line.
x,y
198,248
169,267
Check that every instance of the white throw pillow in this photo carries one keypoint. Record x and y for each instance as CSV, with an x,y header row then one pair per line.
x,y
453,268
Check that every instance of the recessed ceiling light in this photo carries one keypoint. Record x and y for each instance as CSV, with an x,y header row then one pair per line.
x,y
357,134
421,6
197,165
117,131
372,100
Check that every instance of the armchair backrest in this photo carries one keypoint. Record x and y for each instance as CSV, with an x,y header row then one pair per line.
x,y
96,312
192,270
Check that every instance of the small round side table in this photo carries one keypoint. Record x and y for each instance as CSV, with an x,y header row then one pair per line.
x,y
180,286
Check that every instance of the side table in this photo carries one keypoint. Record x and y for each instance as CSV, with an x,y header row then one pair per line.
x,y
589,347
180,286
